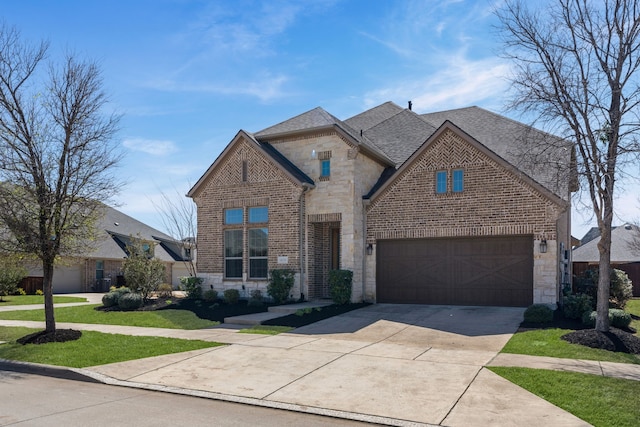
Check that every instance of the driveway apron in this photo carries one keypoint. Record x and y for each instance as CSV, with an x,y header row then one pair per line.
x,y
402,363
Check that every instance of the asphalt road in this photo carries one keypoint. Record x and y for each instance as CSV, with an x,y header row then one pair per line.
x,y
33,400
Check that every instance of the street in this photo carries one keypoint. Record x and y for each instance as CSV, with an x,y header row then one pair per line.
x,y
33,400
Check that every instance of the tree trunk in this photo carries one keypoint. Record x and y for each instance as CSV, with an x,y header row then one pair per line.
x,y
47,284
604,279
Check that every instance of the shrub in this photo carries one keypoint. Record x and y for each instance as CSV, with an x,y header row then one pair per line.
x,y
165,290
538,313
280,284
621,288
574,306
617,318
20,291
191,286
130,301
231,296
110,299
256,299
340,285
620,291
210,295
39,292
11,273
122,290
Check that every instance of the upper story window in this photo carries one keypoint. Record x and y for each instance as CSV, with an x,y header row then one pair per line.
x,y
325,168
233,216
441,182
458,180
258,214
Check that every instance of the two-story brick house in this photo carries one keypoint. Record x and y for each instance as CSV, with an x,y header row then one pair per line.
x,y
437,208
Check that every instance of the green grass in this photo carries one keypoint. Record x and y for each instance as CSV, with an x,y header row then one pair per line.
x,y
36,299
265,330
172,319
600,401
547,342
93,348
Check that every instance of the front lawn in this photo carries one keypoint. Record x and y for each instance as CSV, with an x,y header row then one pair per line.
x,y
93,348
36,299
546,341
600,401
172,319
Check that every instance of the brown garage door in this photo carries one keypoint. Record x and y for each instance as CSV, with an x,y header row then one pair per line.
x,y
468,271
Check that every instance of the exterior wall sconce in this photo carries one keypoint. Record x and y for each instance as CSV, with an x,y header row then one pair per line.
x,y
314,155
369,249
543,246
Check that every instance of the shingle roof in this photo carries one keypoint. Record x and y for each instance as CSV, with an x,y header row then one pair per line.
x,y
318,118
515,142
622,248
114,230
400,135
376,115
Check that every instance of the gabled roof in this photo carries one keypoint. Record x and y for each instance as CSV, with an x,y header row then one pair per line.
x,y
376,115
115,230
400,135
447,125
292,171
316,120
625,242
515,142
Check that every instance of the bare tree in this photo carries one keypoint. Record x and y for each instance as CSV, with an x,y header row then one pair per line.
x,y
576,64
56,155
178,216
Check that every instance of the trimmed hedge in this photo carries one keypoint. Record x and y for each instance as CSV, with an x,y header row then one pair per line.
x,y
538,313
340,286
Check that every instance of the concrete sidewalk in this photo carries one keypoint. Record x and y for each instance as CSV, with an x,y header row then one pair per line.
x,y
394,365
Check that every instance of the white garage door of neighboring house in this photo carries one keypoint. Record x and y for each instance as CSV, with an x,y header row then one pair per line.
x,y
67,279
490,271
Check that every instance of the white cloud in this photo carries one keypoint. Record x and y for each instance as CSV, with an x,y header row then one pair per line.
x,y
150,146
460,83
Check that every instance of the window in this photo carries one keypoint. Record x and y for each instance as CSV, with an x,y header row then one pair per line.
x,y
233,254
245,171
458,180
258,253
233,216
441,182
325,168
99,269
241,240
258,214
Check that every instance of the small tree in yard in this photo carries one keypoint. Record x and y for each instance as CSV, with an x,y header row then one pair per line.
x,y
57,154
11,273
142,272
576,68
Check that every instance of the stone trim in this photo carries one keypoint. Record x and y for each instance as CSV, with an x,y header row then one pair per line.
x,y
328,217
324,155
240,203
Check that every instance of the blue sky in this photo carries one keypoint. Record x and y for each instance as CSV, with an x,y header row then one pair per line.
x,y
187,75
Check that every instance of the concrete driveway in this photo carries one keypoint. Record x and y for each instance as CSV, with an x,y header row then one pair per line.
x,y
391,364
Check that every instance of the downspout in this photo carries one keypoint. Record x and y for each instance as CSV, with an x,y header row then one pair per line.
x,y
365,203
301,241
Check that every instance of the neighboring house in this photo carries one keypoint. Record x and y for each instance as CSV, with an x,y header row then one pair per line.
x,y
625,252
102,267
431,209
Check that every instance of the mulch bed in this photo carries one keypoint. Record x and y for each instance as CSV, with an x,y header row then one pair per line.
x,y
296,321
214,311
615,340
44,337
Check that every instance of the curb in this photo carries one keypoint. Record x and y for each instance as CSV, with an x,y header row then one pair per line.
x,y
64,373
